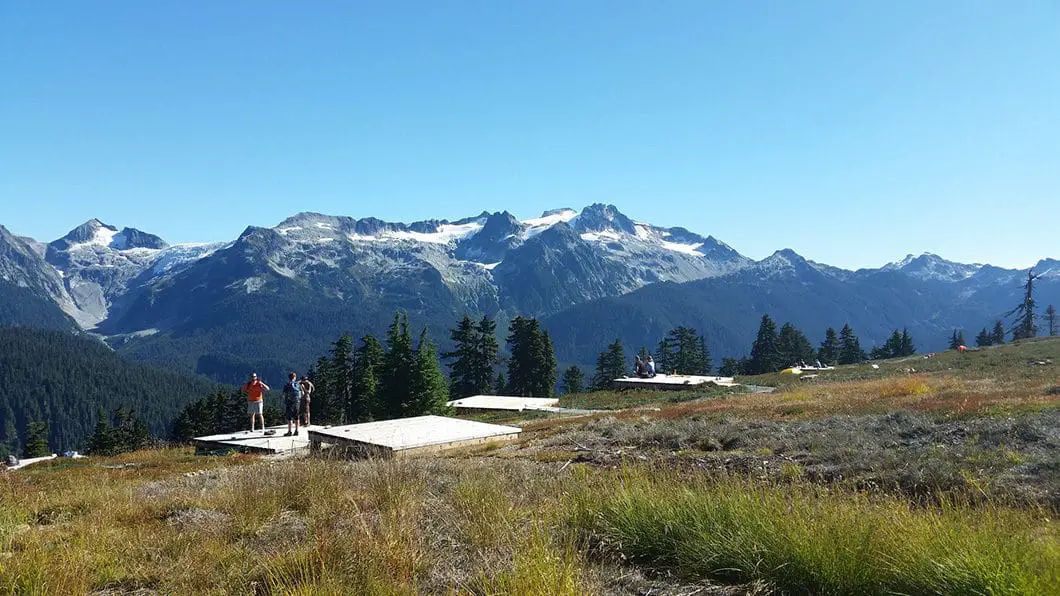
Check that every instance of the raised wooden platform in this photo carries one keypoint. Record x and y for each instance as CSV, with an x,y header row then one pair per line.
x,y
672,382
410,435
257,441
503,402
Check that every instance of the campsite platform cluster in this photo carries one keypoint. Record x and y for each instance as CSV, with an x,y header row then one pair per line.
x,y
672,382
384,438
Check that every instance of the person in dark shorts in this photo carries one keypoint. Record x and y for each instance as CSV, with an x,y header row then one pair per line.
x,y
307,394
292,401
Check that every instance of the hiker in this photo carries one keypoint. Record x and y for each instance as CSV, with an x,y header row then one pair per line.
x,y
292,400
651,367
254,389
307,391
638,367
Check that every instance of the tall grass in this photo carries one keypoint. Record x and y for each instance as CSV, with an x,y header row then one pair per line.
x,y
807,539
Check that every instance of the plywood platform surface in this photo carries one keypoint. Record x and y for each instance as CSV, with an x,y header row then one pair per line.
x,y
503,402
411,433
258,440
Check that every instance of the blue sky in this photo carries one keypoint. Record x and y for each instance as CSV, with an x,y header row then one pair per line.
x,y
852,132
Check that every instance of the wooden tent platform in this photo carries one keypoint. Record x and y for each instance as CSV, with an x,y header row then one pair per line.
x,y
672,382
410,435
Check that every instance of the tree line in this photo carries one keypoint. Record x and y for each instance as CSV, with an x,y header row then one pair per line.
x,y
399,377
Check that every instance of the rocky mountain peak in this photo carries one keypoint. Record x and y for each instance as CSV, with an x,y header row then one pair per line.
x,y
599,217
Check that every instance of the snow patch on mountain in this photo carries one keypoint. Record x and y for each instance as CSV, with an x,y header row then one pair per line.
x,y
548,219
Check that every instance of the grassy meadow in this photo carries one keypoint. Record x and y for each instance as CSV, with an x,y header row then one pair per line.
x,y
942,480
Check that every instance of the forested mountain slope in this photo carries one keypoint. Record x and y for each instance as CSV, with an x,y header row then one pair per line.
x,y
64,379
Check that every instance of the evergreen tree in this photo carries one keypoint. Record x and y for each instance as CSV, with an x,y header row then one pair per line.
x,y
664,359
532,367
984,339
829,352
684,351
793,346
462,373
999,333
765,352
500,386
8,433
428,390
907,347
36,440
957,339
368,369
730,367
547,364
850,351
1050,318
1024,326
102,441
398,364
332,404
573,380
487,355
610,365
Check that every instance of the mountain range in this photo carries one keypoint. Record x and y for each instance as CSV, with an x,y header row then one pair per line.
x,y
274,298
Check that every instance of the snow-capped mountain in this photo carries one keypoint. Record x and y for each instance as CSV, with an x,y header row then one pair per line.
x,y
219,307
100,265
929,266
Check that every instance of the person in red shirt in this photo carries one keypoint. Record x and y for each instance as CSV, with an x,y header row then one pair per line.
x,y
255,401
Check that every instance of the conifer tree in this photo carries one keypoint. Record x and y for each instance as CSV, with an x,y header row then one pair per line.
x,y
907,347
500,386
368,369
102,440
36,440
664,359
573,380
462,372
332,404
487,355
1050,319
684,351
610,365
8,433
957,339
850,351
765,352
398,364
428,390
532,367
730,367
793,346
998,336
547,367
1024,326
984,339
829,352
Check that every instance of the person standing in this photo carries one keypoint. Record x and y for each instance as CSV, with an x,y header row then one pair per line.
x,y
255,399
307,393
292,401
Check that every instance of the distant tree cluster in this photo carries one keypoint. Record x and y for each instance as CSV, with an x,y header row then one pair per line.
x,y
222,411
610,365
900,344
682,351
775,350
379,381
125,432
985,338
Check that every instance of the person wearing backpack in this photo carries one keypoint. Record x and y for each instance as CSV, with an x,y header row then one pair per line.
x,y
292,401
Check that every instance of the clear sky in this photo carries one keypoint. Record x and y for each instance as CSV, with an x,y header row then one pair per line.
x,y
852,132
